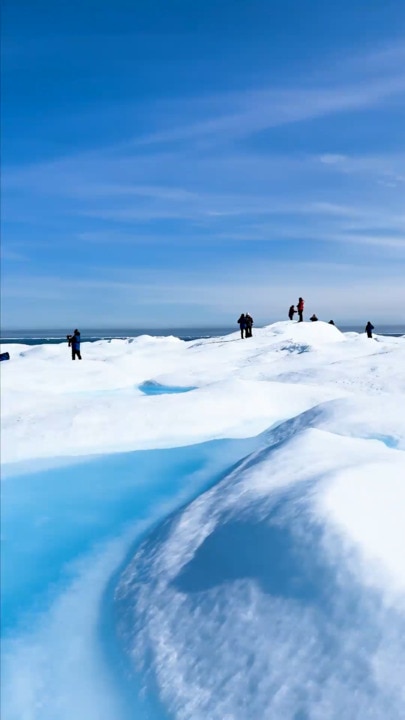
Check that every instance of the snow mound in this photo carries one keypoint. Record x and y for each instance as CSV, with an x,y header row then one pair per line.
x,y
275,594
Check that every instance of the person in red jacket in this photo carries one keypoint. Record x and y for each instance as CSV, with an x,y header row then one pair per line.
x,y
300,308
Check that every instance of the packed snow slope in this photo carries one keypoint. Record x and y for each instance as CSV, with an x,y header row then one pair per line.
x,y
245,561
53,407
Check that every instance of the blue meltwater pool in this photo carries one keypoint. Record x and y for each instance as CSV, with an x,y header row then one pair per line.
x,y
66,534
153,388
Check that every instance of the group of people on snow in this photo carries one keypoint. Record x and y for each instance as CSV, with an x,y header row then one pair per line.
x,y
245,323
299,310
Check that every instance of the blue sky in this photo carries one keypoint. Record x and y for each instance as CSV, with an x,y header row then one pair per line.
x,y
173,163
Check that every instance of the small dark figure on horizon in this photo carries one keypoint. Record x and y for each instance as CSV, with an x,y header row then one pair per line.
x,y
75,345
300,309
331,322
369,329
291,312
242,325
69,339
313,318
249,324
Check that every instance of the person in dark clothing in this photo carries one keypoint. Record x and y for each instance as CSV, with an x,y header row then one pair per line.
x,y
242,325
300,309
331,322
75,345
369,329
313,318
69,339
249,325
291,312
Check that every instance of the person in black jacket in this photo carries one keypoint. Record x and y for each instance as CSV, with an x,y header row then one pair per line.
x,y
242,325
75,345
291,312
249,325
369,329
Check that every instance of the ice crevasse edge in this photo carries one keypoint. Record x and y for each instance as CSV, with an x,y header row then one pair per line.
x,y
279,592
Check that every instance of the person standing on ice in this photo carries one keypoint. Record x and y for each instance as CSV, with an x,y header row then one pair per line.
x,y
300,309
313,318
369,329
75,345
291,312
249,325
242,325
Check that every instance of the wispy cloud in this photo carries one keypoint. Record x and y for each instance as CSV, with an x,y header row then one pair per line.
x,y
388,168
254,111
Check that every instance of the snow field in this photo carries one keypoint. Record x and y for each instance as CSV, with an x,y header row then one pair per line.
x,y
278,593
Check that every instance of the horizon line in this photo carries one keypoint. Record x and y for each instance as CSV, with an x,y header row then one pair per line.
x,y
352,323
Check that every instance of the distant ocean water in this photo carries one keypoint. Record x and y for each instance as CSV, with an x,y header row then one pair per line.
x,y
55,336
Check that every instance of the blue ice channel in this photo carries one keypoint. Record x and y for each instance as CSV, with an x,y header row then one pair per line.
x,y
67,532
